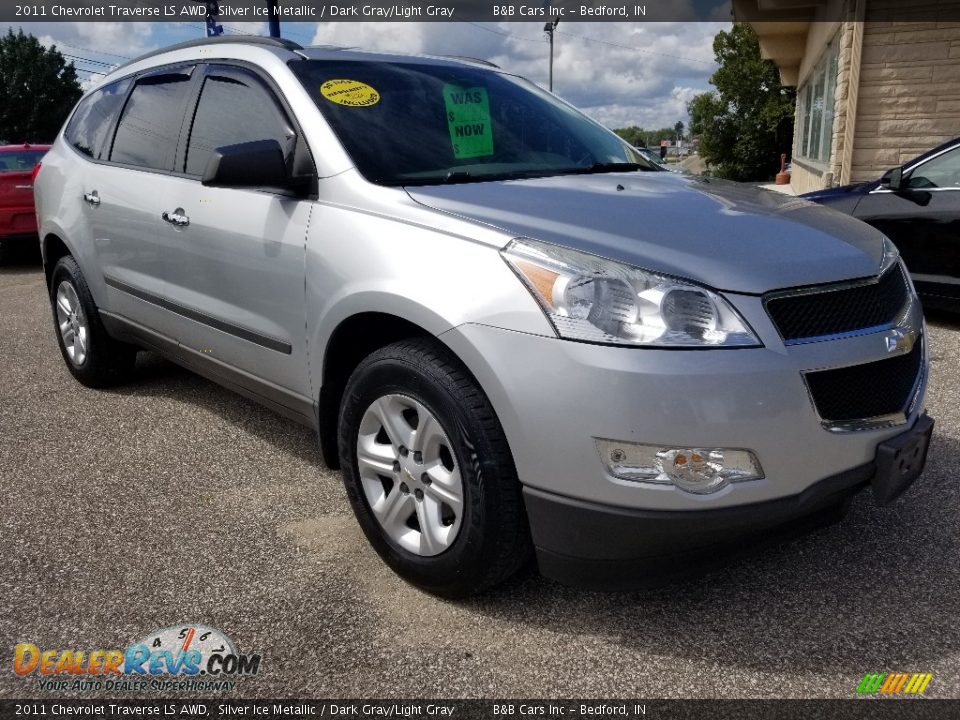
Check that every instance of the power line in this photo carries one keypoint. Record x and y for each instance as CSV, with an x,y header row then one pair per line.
x,y
90,61
88,50
505,34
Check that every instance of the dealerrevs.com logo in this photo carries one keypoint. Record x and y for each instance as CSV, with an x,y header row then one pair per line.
x,y
183,657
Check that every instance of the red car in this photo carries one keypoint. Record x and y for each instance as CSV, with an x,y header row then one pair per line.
x,y
17,217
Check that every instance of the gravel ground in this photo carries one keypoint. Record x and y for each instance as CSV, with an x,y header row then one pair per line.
x,y
171,500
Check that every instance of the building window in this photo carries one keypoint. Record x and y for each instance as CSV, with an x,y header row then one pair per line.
x,y
816,108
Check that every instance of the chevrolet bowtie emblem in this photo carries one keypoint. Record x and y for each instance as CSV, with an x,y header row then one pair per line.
x,y
901,339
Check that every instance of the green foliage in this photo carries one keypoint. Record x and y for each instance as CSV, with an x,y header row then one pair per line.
x,y
748,122
37,89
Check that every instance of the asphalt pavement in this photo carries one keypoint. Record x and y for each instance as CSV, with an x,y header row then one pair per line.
x,y
171,500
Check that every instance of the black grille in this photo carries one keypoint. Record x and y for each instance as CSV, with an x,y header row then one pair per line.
x,y
833,312
866,391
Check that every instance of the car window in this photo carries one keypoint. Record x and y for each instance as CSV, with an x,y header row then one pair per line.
x,y
88,128
942,171
234,108
20,161
150,125
408,123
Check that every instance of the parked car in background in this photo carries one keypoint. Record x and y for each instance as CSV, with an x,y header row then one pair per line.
x,y
18,220
653,157
917,206
494,345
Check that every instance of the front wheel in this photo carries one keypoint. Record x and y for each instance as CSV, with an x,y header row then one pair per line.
x,y
428,471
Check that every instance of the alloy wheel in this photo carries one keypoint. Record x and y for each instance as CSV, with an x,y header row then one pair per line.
x,y
72,322
409,474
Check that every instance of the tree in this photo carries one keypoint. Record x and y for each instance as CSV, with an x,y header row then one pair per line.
x,y
632,135
678,129
748,121
649,138
38,88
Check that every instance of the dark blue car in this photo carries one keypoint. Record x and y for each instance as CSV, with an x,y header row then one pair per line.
x,y
917,206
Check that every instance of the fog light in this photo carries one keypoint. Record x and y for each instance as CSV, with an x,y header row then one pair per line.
x,y
696,470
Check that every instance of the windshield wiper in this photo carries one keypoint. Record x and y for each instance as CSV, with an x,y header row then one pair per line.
x,y
464,176
608,167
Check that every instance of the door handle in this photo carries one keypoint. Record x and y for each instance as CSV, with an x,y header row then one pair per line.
x,y
177,217
92,198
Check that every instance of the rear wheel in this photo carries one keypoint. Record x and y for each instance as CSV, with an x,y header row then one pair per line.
x,y
428,471
91,355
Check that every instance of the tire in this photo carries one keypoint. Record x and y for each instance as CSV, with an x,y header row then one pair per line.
x,y
440,411
97,360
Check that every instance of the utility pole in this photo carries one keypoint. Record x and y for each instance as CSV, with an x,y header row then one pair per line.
x,y
274,17
548,29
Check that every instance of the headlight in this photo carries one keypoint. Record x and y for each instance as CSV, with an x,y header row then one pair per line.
x,y
589,298
890,255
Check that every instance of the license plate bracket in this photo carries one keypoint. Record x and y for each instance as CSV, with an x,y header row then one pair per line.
x,y
900,460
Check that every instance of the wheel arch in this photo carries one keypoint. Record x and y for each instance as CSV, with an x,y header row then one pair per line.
x,y
356,337
52,248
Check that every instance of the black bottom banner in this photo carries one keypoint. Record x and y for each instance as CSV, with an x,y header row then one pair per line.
x,y
215,709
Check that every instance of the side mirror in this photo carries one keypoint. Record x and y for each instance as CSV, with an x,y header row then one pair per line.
x,y
892,179
258,164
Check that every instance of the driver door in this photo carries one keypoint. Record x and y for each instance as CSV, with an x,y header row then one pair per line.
x,y
236,256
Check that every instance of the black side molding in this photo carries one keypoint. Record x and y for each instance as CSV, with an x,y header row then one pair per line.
x,y
229,328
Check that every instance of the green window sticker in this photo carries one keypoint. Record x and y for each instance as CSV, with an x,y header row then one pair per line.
x,y
468,117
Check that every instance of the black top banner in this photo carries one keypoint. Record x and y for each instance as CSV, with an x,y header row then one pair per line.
x,y
473,11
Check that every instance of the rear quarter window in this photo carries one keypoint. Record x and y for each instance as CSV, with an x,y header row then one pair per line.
x,y
95,115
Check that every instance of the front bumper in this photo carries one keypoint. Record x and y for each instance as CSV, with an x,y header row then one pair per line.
x,y
607,548
592,545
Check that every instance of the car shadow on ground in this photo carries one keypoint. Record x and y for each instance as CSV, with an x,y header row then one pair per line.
x,y
879,589
20,258
942,318
157,377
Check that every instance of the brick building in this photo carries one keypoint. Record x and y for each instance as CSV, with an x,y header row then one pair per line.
x,y
878,81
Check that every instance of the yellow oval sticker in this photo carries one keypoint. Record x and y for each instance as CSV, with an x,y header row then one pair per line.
x,y
350,93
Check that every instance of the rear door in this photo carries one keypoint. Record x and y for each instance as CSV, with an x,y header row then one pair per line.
x,y
123,197
236,257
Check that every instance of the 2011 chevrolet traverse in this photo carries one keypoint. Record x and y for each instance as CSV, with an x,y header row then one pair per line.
x,y
456,278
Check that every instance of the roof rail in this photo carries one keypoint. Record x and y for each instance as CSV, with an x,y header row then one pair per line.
x,y
467,58
220,40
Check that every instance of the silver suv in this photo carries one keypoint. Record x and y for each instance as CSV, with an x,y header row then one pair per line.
x,y
513,335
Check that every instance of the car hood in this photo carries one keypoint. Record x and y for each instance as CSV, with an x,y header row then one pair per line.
x,y
726,235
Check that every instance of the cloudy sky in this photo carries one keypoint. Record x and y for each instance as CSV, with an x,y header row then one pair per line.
x,y
620,73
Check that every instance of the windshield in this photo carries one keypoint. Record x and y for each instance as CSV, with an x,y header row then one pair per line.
x,y
418,123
